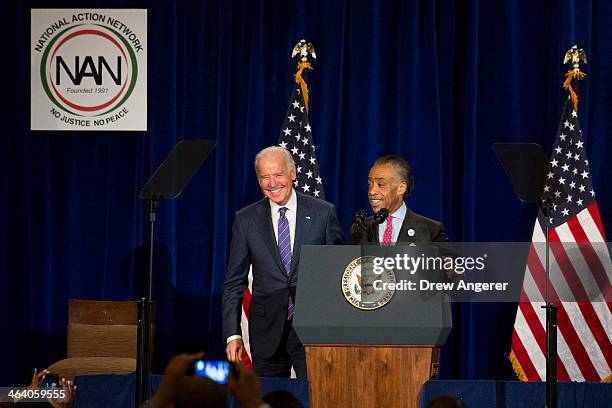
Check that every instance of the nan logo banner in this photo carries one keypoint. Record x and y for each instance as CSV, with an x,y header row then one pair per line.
x,y
88,69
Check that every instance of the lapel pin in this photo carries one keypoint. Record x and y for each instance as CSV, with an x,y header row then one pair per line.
x,y
308,217
411,232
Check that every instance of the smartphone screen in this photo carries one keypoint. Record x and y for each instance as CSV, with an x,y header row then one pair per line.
x,y
218,371
51,380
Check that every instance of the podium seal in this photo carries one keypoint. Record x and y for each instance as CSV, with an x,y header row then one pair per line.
x,y
363,288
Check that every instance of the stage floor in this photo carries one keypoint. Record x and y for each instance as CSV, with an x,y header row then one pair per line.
x,y
117,391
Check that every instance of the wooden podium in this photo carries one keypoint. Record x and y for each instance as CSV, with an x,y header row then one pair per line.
x,y
355,357
369,376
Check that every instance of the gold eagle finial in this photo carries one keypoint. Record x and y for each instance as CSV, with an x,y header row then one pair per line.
x,y
574,55
303,49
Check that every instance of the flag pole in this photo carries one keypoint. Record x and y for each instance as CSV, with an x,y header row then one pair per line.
x,y
574,55
296,135
546,207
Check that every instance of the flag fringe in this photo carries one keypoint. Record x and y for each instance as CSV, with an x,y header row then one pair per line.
x,y
516,366
301,82
569,77
518,370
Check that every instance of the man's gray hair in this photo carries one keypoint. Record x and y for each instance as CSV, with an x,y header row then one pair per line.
x,y
402,168
275,150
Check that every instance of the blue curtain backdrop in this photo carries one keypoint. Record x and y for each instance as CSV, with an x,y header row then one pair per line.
x,y
434,81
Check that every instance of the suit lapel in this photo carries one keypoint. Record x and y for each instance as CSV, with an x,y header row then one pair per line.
x,y
403,233
410,224
303,221
266,230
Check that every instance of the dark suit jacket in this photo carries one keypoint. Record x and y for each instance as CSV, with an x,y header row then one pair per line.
x,y
253,243
425,230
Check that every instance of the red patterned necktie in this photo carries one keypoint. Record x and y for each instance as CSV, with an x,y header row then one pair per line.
x,y
388,234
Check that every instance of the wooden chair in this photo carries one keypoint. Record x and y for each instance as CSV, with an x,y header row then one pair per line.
x,y
101,338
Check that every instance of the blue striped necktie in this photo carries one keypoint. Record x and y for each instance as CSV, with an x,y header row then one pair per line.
x,y
284,249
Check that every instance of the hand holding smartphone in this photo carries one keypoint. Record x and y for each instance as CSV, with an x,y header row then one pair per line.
x,y
218,371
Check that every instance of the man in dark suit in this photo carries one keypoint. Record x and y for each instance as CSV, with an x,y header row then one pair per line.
x,y
267,235
390,181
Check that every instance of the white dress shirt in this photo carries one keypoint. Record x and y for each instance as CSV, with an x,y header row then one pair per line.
x,y
291,215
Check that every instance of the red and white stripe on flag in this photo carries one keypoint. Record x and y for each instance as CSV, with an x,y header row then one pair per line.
x,y
244,323
584,321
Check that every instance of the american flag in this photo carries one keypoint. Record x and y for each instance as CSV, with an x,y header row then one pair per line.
x,y
296,136
584,327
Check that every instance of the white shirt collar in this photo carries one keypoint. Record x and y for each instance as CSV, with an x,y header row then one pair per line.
x,y
291,204
400,213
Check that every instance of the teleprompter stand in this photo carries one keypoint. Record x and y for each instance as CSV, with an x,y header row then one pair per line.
x,y
168,181
526,165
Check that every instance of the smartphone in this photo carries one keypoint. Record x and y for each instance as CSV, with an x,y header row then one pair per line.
x,y
218,371
50,381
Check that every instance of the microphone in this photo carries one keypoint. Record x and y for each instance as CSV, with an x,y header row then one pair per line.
x,y
360,217
381,216
357,234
